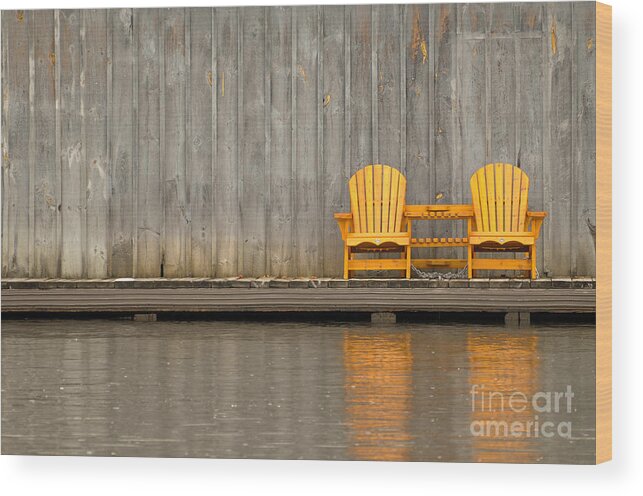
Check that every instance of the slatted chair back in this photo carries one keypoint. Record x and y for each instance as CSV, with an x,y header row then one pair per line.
x,y
377,194
500,194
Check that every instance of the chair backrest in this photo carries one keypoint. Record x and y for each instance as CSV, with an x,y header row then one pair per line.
x,y
499,193
377,199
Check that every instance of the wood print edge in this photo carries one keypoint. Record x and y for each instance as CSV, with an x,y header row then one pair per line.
x,y
603,232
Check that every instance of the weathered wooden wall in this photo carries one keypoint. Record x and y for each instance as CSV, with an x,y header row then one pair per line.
x,y
218,142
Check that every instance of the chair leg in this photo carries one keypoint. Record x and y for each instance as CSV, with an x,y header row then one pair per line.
x,y
408,262
470,261
532,256
346,259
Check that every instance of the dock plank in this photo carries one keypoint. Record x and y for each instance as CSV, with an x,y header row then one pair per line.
x,y
294,300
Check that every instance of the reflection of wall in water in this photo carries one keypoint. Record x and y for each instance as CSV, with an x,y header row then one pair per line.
x,y
378,394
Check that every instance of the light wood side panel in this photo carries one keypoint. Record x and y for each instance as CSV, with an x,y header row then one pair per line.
x,y
604,232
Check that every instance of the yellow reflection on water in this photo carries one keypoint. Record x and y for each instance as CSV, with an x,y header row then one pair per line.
x,y
378,394
501,365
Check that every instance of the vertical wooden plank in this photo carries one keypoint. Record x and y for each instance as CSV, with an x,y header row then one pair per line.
x,y
583,180
71,144
122,146
226,164
201,81
362,92
47,186
419,77
472,96
530,118
389,79
177,220
447,176
335,170
502,18
150,208
361,118
306,207
97,189
280,216
502,92
15,143
472,92
557,146
253,143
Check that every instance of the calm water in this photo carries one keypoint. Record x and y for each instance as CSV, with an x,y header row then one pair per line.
x,y
295,390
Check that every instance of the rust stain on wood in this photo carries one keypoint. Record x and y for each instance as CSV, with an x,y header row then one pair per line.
x,y
554,39
52,58
532,21
302,72
444,20
418,42
20,15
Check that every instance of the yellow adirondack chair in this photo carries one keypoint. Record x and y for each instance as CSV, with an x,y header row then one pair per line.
x,y
502,222
376,222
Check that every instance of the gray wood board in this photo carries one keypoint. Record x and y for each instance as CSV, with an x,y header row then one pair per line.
x,y
219,141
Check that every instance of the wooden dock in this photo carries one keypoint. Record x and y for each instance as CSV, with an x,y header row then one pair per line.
x,y
299,295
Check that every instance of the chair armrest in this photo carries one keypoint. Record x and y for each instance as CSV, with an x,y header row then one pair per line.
x,y
537,215
536,221
345,221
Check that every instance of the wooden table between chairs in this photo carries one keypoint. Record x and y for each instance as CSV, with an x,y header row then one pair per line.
x,y
438,213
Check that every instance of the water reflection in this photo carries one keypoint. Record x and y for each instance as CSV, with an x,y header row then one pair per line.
x,y
503,371
285,390
378,394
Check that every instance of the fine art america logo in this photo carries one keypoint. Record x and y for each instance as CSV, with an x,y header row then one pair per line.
x,y
518,414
